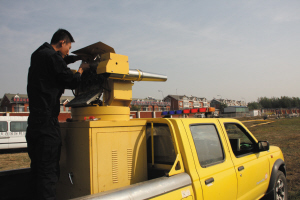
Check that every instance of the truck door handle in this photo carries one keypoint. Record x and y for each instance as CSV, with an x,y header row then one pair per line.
x,y
208,181
241,168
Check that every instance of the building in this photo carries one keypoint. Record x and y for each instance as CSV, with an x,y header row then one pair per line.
x,y
18,105
217,103
14,103
236,109
63,101
181,102
149,104
254,113
148,107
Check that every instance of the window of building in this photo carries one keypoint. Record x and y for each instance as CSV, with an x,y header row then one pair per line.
x,y
19,108
62,108
163,109
240,140
196,104
208,145
3,126
146,109
185,104
18,126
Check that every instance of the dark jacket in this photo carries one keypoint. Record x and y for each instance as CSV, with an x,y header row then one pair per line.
x,y
48,76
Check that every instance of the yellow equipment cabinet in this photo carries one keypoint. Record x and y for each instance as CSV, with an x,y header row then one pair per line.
x,y
101,155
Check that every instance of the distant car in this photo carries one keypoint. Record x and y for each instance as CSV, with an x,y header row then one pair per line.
x,y
12,132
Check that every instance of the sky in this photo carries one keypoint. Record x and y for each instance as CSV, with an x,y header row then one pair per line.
x,y
232,49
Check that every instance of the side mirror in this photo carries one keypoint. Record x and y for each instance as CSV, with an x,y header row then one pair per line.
x,y
263,146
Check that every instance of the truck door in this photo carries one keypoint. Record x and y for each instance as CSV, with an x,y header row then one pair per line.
x,y
252,168
3,135
212,159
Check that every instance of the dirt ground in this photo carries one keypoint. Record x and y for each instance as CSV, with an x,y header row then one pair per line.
x,y
284,133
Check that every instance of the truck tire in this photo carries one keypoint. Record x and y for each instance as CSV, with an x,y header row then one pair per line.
x,y
279,189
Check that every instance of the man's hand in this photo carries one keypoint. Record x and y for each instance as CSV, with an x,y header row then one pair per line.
x,y
80,70
83,67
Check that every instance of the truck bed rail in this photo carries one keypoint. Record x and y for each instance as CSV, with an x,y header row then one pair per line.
x,y
144,190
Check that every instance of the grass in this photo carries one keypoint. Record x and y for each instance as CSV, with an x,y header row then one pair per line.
x,y
14,161
284,133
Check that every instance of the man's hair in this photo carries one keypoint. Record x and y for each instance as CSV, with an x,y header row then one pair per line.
x,y
62,34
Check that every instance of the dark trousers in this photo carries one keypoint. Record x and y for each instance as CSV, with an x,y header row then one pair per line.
x,y
44,146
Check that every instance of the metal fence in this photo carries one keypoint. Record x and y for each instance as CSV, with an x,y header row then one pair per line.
x,y
231,115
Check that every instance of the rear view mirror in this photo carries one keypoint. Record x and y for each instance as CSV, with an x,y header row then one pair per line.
x,y
263,145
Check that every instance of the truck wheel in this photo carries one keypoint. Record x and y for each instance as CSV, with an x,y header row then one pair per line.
x,y
279,189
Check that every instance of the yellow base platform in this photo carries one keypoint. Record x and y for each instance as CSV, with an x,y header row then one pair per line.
x,y
103,113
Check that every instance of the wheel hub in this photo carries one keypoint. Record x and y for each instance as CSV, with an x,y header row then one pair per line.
x,y
280,193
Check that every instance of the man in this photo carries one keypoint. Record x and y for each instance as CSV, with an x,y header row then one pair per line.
x,y
48,76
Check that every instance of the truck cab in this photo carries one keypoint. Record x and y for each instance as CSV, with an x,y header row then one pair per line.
x,y
223,158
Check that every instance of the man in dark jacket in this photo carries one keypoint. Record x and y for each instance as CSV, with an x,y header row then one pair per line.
x,y
48,77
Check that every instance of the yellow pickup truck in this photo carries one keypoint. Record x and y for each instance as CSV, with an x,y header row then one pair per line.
x,y
192,158
107,155
113,157
208,158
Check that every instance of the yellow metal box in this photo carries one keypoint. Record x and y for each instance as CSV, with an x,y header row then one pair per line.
x,y
113,63
101,155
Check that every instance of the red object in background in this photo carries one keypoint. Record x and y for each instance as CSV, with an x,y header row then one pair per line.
x,y
186,111
62,117
202,109
194,110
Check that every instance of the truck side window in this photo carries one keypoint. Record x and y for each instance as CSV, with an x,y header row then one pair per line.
x,y
3,126
208,144
241,142
18,126
164,152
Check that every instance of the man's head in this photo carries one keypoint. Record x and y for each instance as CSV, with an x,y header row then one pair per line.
x,y
61,41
